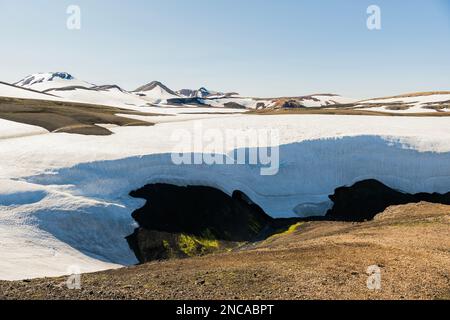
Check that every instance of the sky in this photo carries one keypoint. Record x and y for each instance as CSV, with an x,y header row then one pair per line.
x,y
262,48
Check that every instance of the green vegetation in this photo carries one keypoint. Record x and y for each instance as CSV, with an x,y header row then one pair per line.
x,y
292,228
192,245
169,250
286,232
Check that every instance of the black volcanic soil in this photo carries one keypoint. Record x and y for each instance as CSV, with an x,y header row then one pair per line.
x,y
66,117
365,199
317,260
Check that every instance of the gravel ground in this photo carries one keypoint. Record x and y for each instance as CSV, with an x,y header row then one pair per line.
x,y
320,260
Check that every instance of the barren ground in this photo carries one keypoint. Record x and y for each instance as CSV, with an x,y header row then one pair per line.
x,y
320,260
66,117
348,111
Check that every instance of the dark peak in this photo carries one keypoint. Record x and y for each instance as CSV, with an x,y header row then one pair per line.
x,y
42,77
365,199
62,75
152,85
186,92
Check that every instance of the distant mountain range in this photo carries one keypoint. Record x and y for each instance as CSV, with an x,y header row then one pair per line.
x,y
64,86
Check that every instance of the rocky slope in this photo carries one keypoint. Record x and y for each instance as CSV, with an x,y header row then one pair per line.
x,y
365,199
195,220
180,222
315,260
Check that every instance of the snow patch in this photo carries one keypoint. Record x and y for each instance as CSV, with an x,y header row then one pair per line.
x,y
65,198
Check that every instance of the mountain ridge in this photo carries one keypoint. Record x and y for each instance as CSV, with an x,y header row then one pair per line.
x,y
65,85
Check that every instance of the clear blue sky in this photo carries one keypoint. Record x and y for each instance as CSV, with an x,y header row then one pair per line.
x,y
255,47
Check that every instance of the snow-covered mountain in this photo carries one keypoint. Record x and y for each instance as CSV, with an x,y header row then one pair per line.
x,y
324,100
51,80
109,95
418,102
156,92
188,93
204,93
310,101
11,91
64,85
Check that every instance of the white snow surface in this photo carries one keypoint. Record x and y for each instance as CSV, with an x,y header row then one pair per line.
x,y
326,100
248,103
416,103
156,95
64,198
258,103
11,91
111,97
10,129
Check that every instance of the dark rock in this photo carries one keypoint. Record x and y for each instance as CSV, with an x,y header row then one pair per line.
x,y
365,199
260,105
195,210
150,245
180,222
154,84
234,105
292,104
182,101
200,282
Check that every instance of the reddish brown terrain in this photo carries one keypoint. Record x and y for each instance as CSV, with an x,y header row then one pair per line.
x,y
313,260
